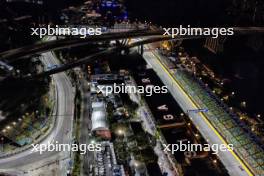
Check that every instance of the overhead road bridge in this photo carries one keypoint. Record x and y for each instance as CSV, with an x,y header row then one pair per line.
x,y
75,42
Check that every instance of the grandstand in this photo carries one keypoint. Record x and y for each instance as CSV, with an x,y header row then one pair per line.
x,y
246,144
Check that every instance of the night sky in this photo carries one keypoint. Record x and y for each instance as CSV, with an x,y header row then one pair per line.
x,y
194,12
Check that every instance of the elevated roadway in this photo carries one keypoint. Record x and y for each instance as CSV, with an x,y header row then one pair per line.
x,y
74,42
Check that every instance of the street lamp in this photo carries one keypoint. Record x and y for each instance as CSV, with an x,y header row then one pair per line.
x,y
120,132
243,104
92,141
2,144
137,164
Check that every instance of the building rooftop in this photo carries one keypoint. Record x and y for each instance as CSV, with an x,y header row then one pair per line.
x,y
99,121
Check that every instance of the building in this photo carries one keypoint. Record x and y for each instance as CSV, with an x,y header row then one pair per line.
x,y
99,120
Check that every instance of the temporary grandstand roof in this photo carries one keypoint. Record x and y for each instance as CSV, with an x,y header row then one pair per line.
x,y
98,106
99,121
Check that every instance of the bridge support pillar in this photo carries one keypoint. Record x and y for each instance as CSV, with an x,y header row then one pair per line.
x,y
141,49
124,42
215,45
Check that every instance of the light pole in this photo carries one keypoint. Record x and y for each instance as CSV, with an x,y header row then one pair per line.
x,y
2,144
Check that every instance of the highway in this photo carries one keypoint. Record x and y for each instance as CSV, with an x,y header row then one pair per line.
x,y
85,122
74,42
38,48
230,160
94,56
27,161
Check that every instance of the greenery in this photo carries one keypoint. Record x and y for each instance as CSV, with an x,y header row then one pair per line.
x,y
20,96
77,115
140,145
146,155
110,112
121,150
77,165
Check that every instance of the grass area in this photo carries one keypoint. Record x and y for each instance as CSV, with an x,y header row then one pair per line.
x,y
77,165
24,125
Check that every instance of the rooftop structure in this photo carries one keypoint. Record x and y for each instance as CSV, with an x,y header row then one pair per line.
x,y
99,116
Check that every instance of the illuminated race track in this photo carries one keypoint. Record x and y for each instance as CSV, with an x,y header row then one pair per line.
x,y
61,131
233,162
65,98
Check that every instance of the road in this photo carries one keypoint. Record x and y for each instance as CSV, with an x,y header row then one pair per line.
x,y
61,132
74,42
85,127
228,158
